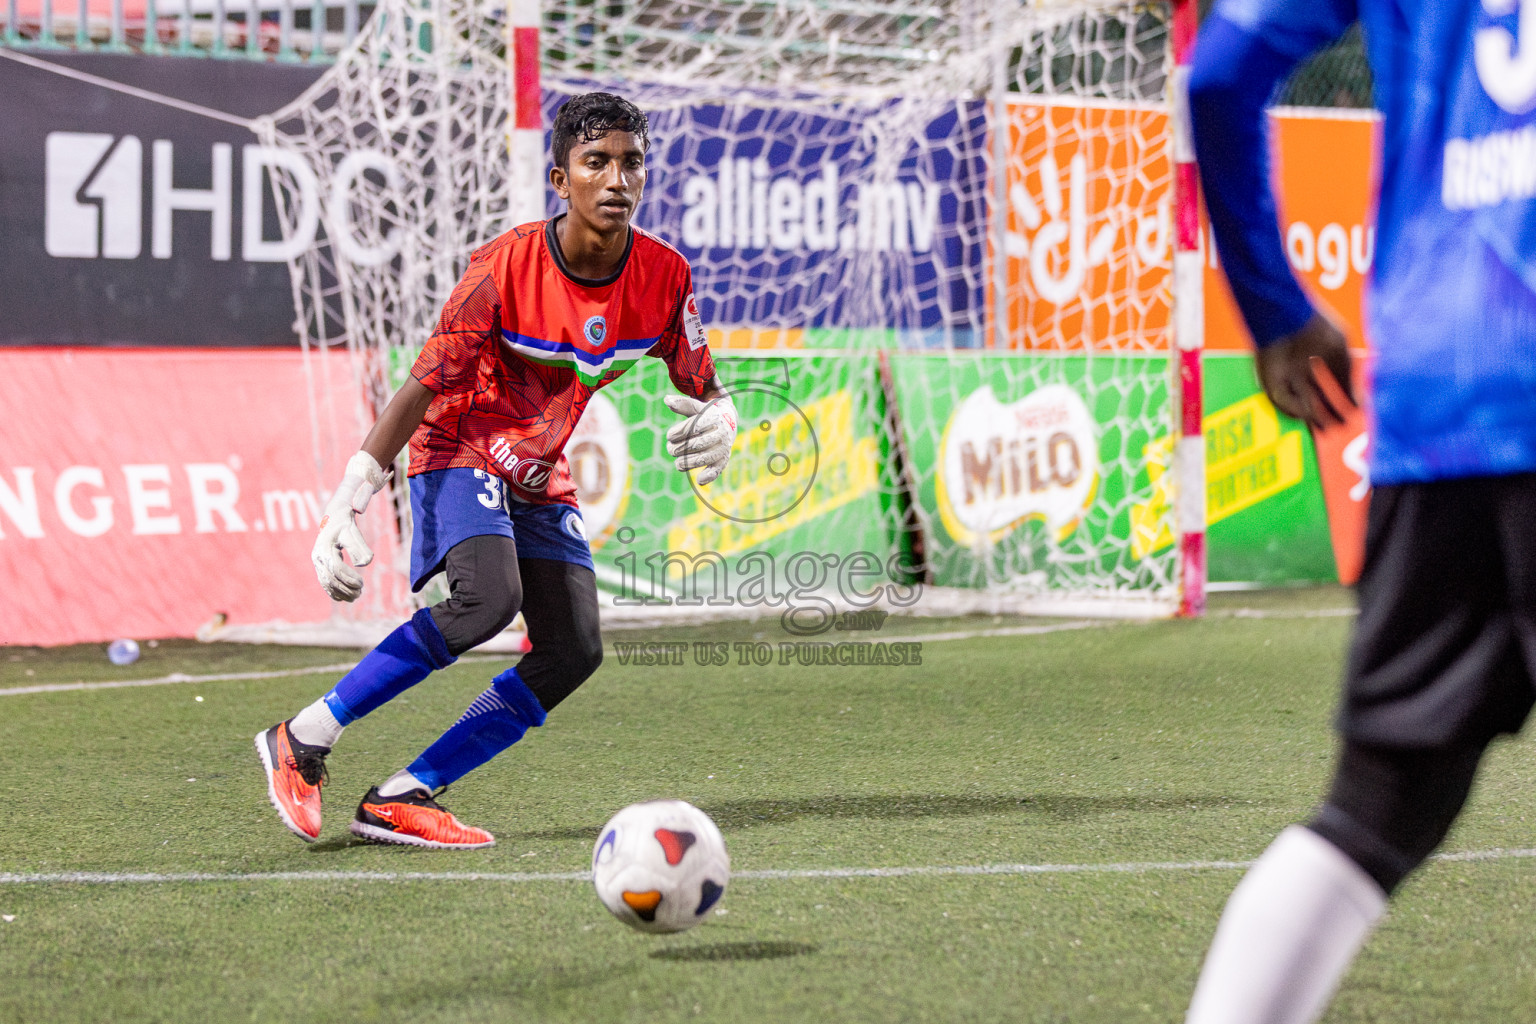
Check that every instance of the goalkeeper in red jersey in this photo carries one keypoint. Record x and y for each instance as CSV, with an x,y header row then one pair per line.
x,y
545,315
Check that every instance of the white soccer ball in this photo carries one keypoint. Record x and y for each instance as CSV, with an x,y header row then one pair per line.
x,y
660,866
123,652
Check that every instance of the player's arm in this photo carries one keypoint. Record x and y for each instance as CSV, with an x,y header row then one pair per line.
x,y
447,364
399,421
365,477
1247,48
703,440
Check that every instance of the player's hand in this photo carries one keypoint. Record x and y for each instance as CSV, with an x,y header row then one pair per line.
x,y
339,532
703,441
1285,372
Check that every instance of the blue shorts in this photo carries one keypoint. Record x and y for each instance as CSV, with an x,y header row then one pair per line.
x,y
453,505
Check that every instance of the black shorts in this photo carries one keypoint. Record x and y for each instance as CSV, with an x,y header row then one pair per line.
x,y
1444,651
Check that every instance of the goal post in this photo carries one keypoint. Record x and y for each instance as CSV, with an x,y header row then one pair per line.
x,y
525,136
1189,307
947,253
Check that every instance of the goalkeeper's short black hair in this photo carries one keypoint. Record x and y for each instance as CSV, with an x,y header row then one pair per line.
x,y
590,116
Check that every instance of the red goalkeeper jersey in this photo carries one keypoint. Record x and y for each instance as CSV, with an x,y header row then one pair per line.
x,y
522,344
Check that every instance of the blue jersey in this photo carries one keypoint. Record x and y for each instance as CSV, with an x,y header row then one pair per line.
x,y
1451,307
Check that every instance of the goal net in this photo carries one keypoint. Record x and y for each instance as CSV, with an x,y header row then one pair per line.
x,y
931,243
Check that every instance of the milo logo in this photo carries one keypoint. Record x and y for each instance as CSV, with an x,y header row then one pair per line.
x,y
1036,458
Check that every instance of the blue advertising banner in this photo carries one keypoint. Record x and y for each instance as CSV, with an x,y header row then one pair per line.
x,y
804,217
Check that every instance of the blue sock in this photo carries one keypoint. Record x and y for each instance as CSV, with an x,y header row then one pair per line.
x,y
496,720
403,659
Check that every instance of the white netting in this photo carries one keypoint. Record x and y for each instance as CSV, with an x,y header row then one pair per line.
x,y
828,169
861,49
402,154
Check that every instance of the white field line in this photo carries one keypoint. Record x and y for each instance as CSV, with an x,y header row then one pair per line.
x,y
174,677
219,677
525,877
1281,613
165,878
974,634
921,638
287,673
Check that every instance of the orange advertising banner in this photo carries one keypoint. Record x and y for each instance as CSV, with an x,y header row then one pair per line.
x,y
145,491
1089,244
1323,169
1088,241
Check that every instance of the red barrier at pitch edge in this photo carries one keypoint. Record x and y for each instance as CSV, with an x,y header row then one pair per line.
x,y
144,491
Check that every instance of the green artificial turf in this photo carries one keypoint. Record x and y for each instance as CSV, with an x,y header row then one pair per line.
x,y
1116,744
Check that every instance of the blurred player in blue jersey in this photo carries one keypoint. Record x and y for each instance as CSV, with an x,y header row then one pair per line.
x,y
1444,652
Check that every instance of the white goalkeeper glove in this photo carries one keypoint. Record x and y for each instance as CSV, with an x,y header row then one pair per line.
x,y
702,441
339,532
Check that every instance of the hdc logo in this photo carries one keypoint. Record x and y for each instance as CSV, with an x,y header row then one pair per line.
x,y
94,200
98,212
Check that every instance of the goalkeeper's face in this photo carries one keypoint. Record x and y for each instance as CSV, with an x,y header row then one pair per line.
x,y
603,180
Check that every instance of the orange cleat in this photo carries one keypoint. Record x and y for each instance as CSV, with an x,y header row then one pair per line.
x,y
414,819
295,773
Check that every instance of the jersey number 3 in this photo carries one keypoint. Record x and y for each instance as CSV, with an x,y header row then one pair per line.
x,y
495,494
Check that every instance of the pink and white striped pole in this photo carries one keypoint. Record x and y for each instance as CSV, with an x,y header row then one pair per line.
x,y
525,135
1188,322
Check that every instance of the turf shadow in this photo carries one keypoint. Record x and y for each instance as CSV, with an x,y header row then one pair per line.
x,y
1067,807
446,995
336,843
716,952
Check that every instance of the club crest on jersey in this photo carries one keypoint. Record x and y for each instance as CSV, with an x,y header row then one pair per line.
x,y
595,329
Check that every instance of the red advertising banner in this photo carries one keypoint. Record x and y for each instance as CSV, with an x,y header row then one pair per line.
x,y
144,491
1342,451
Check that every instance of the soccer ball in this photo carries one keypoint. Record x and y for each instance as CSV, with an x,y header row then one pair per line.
x,y
660,866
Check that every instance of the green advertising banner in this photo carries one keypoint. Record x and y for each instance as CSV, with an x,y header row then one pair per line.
x,y
1037,471
1265,517
804,481
1059,468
